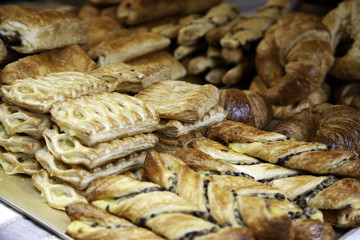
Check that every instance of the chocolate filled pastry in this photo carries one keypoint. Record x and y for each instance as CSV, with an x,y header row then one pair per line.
x,y
164,58
102,117
246,106
55,192
343,23
335,125
126,48
39,93
38,31
66,59
293,58
122,77
179,100
89,222
313,157
162,211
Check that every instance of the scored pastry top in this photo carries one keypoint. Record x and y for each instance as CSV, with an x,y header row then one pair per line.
x,y
101,117
179,100
39,93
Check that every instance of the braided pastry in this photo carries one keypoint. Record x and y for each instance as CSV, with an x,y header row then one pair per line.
x,y
164,212
299,45
314,157
343,23
335,125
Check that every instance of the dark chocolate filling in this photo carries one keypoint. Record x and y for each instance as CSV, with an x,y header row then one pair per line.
x,y
14,40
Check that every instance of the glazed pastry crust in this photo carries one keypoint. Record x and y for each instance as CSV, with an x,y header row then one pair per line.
x,y
38,31
103,117
66,59
185,102
15,163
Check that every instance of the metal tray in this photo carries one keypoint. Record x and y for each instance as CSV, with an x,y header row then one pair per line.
x,y
19,193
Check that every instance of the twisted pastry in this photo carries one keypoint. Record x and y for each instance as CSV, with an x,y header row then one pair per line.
x,y
164,212
335,125
313,157
299,45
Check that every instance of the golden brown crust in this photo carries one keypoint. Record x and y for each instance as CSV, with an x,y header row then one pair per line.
x,y
7,10
313,229
348,93
245,106
34,32
298,44
66,59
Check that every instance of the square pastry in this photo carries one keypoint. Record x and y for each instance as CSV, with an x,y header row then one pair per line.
x,y
179,100
102,117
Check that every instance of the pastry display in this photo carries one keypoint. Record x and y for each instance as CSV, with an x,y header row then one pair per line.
x,y
186,120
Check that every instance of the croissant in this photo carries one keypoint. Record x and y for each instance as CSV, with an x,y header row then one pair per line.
x,y
217,194
246,106
299,45
164,212
313,157
335,125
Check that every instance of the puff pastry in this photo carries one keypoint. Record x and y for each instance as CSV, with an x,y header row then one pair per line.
x,y
337,198
125,48
123,77
7,10
38,31
17,120
185,102
164,212
71,151
103,117
80,177
66,59
19,143
89,222
175,128
15,163
164,58
39,93
54,191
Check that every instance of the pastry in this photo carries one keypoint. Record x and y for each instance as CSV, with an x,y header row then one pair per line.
x,y
39,93
80,177
246,106
17,120
215,16
335,125
18,143
348,93
122,77
342,22
89,222
215,74
19,163
34,31
125,48
164,58
164,212
67,59
293,58
54,191
175,128
70,150
200,64
88,11
183,51
185,102
102,117
338,199
7,10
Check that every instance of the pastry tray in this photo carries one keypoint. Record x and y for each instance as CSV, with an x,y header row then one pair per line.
x,y
19,193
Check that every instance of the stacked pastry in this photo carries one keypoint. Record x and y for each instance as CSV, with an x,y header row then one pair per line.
x,y
183,108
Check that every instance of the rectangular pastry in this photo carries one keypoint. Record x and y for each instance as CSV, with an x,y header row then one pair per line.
x,y
179,100
7,10
71,151
39,93
102,117
38,31
66,59
123,77
125,48
80,177
164,58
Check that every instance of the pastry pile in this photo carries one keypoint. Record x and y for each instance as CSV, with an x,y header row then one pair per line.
x,y
151,119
